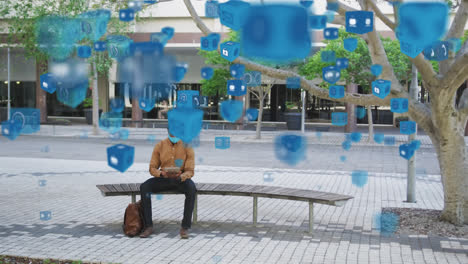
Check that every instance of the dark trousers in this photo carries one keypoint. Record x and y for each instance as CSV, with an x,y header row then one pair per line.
x,y
155,185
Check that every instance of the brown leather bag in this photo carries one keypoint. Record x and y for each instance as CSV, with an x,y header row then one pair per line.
x,y
133,219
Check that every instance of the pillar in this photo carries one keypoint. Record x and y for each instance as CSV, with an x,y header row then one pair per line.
x,y
351,110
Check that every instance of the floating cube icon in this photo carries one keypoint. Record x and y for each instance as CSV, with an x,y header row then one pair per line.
x,y
438,51
184,98
48,83
343,158
11,129
117,104
185,123
203,101
72,94
94,23
126,15
379,138
328,56
376,69
342,63
339,119
210,42
232,14
306,3
253,78
100,46
359,22
317,22
355,137
196,101
231,110
110,122
45,215
360,112
399,105
333,6
330,33
267,176
389,141
179,71
164,36
410,49
407,127
346,145
236,87
222,142
359,178
120,157
207,73
331,74
136,5
42,183
84,52
118,46
27,118
387,223
211,9
406,151
146,104
350,44
336,91
415,144
237,70
293,83
230,50
252,114
381,88
290,148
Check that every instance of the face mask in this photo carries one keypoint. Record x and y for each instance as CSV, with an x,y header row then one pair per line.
x,y
174,139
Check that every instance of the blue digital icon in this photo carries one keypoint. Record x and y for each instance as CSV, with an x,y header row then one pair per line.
x,y
120,157
110,122
179,162
276,33
386,223
123,134
222,142
42,183
359,22
179,71
231,110
233,13
48,83
237,70
290,148
336,91
410,49
251,114
84,52
317,22
355,137
407,150
360,112
330,16
350,44
236,87
211,9
389,140
342,63
230,50
359,178
207,73
159,197
330,33
126,15
328,56
117,105
203,101
333,6
72,94
343,158
253,78
306,3
94,23
376,69
100,46
346,145
399,105
185,123
381,88
45,215
28,119
196,101
195,142
184,98
379,138
45,149
407,127
136,5
268,176
210,42
293,83
118,46
438,51
339,118
331,74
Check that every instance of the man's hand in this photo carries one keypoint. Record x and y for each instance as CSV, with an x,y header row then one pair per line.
x,y
163,174
184,177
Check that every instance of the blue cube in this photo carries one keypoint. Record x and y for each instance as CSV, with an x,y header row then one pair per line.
x,y
84,52
387,223
293,83
376,69
350,44
346,145
415,144
290,148
232,14
45,215
146,104
306,3
164,36
333,6
330,33
185,123
253,78
42,183
343,158
237,70
359,22
210,42
267,176
360,112
389,141
203,101
339,118
336,91
438,51
251,114
29,119
136,5
406,151
328,56
168,31
399,105
118,46
185,98
331,74
72,94
117,105
110,122
100,46
126,15
211,9
410,49
359,178
123,134
379,138
94,23
230,50
48,83
120,157
11,129
317,22
179,71
222,142
342,63
196,101
207,73
236,87
231,110
330,16
355,137
407,127
381,88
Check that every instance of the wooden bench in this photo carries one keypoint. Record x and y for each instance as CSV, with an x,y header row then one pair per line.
x,y
254,191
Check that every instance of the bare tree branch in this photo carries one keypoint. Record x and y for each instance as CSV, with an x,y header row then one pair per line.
x,y
457,74
463,103
380,15
196,18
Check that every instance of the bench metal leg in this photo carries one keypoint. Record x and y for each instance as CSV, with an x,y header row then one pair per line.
x,y
133,198
195,210
311,217
255,202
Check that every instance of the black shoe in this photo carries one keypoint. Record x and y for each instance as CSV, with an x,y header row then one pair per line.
x,y
146,232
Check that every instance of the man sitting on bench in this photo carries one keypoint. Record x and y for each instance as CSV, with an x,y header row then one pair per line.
x,y
167,154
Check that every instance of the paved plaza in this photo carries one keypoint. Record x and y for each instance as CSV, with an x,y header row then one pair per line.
x,y
87,226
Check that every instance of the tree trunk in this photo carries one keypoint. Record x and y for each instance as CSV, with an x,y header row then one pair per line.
x,y
95,93
351,110
371,124
260,115
41,95
137,114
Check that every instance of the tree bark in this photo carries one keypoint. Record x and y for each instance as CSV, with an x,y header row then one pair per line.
x,y
370,124
41,95
260,115
137,113
95,93
351,110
